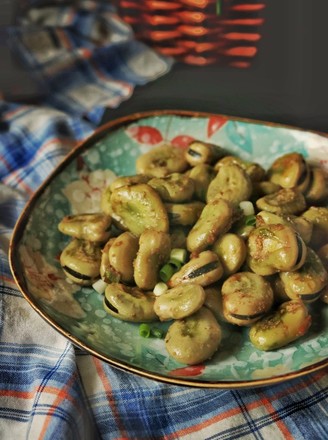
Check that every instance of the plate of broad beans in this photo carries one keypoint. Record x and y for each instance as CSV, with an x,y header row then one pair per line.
x,y
185,247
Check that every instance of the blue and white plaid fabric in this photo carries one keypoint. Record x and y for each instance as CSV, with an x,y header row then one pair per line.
x,y
49,389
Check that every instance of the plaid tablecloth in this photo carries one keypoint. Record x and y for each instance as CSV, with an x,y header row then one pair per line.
x,y
48,388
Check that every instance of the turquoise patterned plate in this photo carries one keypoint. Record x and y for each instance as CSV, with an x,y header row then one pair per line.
x,y
75,187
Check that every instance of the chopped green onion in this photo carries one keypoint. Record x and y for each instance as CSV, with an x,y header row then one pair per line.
x,y
250,220
247,207
179,254
157,333
144,330
166,272
169,269
172,266
176,264
160,288
100,286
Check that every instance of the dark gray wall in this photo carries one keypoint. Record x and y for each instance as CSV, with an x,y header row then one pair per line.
x,y
288,82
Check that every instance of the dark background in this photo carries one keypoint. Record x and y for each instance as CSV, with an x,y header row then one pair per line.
x,y
287,82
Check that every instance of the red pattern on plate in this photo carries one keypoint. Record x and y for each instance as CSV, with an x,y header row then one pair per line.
x,y
191,370
182,141
145,134
214,124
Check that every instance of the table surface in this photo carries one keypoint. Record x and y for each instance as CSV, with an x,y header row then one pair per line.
x,y
286,82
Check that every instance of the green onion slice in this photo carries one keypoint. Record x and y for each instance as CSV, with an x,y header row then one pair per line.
x,y
247,207
157,333
176,264
166,272
250,220
144,330
160,288
179,254
169,269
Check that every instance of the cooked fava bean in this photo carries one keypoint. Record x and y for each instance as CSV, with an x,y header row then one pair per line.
x,y
317,189
91,227
202,175
179,302
305,180
306,282
105,205
231,183
264,188
174,188
231,250
178,237
107,273
285,201
154,250
128,181
228,160
204,269
161,161
288,170
275,248
138,208
122,253
324,295
278,289
215,220
213,301
80,261
303,227
323,255
184,214
269,218
129,303
199,152
288,323
254,170
194,339
246,297
300,224
242,229
318,216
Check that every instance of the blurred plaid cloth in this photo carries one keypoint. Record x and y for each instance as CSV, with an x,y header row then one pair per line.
x,y
88,59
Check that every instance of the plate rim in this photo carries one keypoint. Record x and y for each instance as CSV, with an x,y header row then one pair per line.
x,y
22,220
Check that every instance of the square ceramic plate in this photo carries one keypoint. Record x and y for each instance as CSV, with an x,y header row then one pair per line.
x,y
75,187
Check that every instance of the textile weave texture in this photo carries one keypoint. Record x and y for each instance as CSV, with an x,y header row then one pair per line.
x,y
48,388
